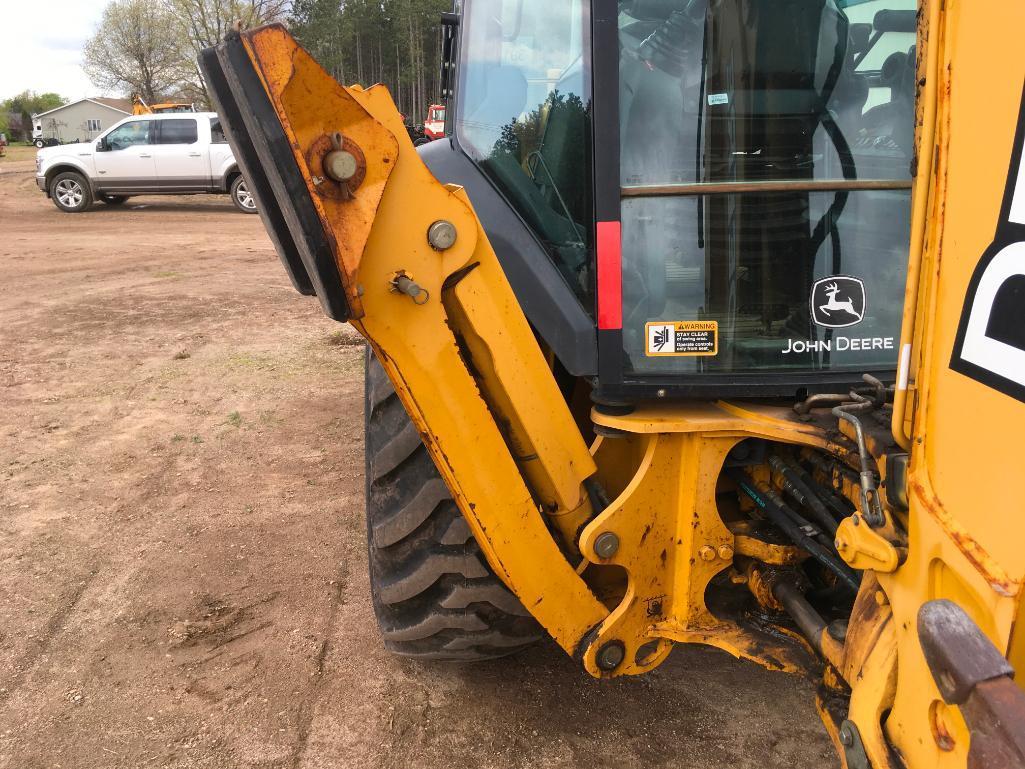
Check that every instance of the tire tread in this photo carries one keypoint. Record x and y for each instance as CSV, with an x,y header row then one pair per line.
x,y
434,594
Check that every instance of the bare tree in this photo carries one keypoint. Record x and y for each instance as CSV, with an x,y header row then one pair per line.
x,y
135,49
204,23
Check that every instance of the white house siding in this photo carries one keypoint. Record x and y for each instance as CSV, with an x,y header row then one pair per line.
x,y
71,121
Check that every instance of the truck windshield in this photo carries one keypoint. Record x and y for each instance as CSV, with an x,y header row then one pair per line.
x,y
523,115
766,148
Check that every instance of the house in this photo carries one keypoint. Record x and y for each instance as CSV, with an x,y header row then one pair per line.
x,y
81,120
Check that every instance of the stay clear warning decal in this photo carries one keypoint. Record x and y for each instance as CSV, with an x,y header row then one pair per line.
x,y
682,337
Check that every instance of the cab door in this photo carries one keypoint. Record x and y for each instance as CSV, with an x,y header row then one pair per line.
x,y
182,158
124,159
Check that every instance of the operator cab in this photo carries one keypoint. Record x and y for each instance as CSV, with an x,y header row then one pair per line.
x,y
729,202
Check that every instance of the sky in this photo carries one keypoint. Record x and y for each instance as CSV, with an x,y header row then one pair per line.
x,y
41,46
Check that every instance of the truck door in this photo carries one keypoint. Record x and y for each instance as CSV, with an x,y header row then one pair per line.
x,y
183,161
221,156
124,158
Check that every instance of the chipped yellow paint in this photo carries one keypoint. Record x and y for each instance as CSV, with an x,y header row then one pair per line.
x,y
416,343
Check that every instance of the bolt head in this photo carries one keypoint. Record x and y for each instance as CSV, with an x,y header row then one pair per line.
x,y
838,630
340,165
610,656
725,552
661,393
707,553
442,235
846,736
606,544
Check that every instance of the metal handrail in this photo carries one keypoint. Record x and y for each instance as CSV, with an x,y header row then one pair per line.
x,y
726,188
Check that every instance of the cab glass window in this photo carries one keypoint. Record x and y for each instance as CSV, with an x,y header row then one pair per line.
x,y
216,132
178,131
524,117
130,134
766,150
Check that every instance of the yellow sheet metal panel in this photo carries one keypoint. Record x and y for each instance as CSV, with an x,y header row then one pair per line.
x,y
966,524
380,231
968,462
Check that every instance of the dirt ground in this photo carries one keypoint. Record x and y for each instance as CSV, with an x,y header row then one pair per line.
x,y
183,573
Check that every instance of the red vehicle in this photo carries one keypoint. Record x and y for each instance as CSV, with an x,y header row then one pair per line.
x,y
434,125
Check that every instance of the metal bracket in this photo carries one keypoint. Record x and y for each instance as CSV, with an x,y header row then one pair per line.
x,y
854,748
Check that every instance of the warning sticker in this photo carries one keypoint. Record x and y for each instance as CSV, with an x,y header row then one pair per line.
x,y
684,337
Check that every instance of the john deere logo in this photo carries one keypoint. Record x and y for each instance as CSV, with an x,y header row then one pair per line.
x,y
838,302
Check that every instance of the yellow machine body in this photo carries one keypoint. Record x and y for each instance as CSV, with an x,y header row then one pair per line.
x,y
445,324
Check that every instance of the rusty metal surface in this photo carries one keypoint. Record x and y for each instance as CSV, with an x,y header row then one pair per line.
x,y
311,105
761,542
987,566
995,713
325,185
971,673
959,655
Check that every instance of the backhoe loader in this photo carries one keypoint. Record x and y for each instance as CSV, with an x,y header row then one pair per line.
x,y
705,324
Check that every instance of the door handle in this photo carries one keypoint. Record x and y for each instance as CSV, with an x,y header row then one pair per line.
x,y
195,154
145,155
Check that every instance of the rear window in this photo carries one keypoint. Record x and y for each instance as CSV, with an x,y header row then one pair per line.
x,y
216,132
178,131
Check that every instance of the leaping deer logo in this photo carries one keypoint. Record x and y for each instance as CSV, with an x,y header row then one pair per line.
x,y
838,301
835,305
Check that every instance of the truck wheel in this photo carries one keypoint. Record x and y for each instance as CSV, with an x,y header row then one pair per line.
x,y
242,197
39,143
70,192
434,593
113,200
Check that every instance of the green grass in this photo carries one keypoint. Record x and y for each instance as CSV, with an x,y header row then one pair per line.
x,y
19,152
235,419
245,360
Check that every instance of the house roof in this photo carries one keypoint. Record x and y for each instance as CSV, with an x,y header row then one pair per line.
x,y
121,105
125,105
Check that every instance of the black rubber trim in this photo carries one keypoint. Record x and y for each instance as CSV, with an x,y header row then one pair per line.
x,y
245,155
268,165
755,385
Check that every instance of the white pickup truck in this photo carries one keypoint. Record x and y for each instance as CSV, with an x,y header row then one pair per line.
x,y
170,154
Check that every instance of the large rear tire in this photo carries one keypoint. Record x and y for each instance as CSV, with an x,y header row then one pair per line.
x,y
434,593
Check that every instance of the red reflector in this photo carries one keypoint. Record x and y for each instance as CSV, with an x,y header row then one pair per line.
x,y
610,276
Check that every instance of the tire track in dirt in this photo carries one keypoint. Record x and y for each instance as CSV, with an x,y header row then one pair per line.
x,y
307,707
24,665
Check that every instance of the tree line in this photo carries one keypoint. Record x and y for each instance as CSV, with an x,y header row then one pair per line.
x,y
16,112
150,47
393,42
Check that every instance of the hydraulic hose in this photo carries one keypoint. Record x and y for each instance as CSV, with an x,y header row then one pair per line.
x,y
796,488
792,530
